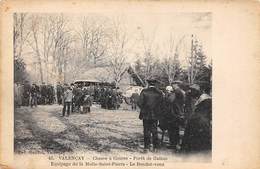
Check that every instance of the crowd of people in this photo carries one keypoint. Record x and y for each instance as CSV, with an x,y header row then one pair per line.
x,y
184,113
32,95
26,94
79,98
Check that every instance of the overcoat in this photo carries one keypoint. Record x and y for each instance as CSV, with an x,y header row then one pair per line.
x,y
150,103
198,134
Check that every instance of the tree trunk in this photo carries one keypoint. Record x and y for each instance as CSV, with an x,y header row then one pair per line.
x,y
39,58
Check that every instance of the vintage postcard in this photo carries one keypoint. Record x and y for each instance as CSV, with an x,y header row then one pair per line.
x,y
129,84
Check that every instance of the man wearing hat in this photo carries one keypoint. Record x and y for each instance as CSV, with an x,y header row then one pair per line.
x,y
150,103
26,93
33,93
59,90
67,101
174,111
198,132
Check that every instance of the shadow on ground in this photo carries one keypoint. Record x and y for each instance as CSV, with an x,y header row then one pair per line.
x,y
73,138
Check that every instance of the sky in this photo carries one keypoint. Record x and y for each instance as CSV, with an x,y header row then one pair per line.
x,y
159,27
146,27
150,28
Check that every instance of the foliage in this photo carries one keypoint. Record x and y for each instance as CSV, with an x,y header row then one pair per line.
x,y
20,73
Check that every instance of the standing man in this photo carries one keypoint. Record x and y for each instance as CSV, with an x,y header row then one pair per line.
x,y
150,102
33,93
26,93
77,98
198,132
67,101
73,97
174,111
134,99
43,89
86,101
102,97
59,93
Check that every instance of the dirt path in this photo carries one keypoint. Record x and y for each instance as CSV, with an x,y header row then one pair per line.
x,y
42,130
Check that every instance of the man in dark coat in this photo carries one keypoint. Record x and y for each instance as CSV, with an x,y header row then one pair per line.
x,y
73,97
103,97
191,96
108,98
134,99
43,89
50,94
86,101
77,97
114,99
174,112
59,89
33,93
198,134
26,94
150,102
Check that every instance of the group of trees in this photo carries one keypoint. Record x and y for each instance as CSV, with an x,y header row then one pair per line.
x,y
20,34
60,50
169,69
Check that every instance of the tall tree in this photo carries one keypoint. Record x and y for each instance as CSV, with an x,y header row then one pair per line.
x,y
150,63
118,51
93,37
35,23
20,33
171,64
196,60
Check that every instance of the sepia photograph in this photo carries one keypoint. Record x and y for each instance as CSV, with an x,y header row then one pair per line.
x,y
129,84
113,83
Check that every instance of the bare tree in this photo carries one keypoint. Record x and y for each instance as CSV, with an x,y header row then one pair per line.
x,y
94,38
34,42
49,41
150,63
118,51
196,60
20,33
99,43
171,65
84,36
61,40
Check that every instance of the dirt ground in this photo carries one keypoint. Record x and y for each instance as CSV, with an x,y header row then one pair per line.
x,y
42,130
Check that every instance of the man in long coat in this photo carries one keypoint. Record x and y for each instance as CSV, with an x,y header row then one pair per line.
x,y
43,89
77,97
26,94
134,99
198,134
59,89
150,102
33,93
